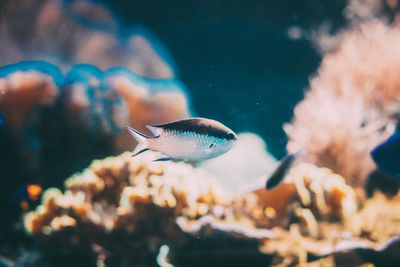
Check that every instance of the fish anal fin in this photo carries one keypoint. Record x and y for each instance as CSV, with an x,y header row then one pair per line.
x,y
140,151
163,159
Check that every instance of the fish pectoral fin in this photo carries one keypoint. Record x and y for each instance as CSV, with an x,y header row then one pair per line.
x,y
163,159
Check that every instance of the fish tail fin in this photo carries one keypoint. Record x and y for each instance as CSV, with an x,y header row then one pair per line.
x,y
142,140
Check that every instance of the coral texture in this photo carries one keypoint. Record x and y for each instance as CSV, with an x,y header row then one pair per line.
x,y
78,32
21,91
63,101
367,236
352,104
123,211
77,116
140,204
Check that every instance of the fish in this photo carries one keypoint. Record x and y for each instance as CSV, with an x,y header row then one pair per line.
x,y
280,172
25,194
387,155
191,139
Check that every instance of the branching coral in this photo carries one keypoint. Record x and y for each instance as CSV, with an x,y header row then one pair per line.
x,y
352,100
121,210
136,202
310,194
367,237
326,221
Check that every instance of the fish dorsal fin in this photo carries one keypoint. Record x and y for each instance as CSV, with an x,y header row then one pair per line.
x,y
156,131
197,125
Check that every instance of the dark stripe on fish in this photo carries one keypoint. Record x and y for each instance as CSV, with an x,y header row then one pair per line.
x,y
387,155
139,133
280,172
199,126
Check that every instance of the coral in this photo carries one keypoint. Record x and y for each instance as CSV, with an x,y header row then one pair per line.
x,y
113,192
76,114
63,102
149,98
144,204
122,211
351,107
78,32
325,192
326,38
20,92
326,219
369,236
309,194
369,221
358,11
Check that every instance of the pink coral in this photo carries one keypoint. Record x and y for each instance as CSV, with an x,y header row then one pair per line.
x,y
351,102
77,32
21,92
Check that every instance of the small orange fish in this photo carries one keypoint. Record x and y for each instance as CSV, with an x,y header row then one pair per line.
x,y
26,194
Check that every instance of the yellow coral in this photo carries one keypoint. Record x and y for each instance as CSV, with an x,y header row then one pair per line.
x,y
116,187
323,190
320,192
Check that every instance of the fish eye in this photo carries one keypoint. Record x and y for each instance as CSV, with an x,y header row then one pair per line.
x,y
231,135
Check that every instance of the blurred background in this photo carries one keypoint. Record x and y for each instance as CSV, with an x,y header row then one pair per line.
x,y
287,75
245,63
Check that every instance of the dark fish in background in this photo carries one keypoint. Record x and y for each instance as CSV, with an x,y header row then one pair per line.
x,y
25,194
387,156
280,172
190,139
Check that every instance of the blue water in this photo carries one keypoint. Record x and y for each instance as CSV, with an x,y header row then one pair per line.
x,y
236,58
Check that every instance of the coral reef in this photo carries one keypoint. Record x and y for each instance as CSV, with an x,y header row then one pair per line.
x,y
63,101
122,200
78,32
370,235
326,222
310,194
21,91
78,116
351,107
53,124
122,211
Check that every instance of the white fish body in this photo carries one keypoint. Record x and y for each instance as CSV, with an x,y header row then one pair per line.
x,y
191,139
